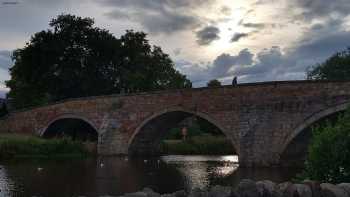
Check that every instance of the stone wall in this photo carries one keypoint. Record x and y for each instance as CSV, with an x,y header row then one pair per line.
x,y
249,188
260,119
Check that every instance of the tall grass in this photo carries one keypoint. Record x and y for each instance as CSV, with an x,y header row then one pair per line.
x,y
19,146
205,144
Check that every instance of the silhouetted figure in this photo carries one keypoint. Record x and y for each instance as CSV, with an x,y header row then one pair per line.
x,y
234,81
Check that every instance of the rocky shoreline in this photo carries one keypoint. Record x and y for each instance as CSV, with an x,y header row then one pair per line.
x,y
249,188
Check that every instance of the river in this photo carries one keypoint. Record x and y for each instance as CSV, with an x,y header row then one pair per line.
x,y
117,175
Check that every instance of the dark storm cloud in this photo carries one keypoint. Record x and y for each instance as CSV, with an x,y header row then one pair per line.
x,y
157,16
5,59
237,36
207,35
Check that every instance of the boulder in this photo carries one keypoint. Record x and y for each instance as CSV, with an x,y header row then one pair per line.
x,y
314,186
247,188
330,190
150,192
297,190
265,188
346,187
220,191
136,194
280,189
198,193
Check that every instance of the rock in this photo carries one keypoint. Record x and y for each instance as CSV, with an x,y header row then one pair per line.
x,y
198,193
180,193
303,190
247,188
330,190
346,187
280,189
265,188
314,186
150,192
136,194
220,191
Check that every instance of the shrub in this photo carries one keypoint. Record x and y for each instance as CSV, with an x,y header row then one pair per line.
x,y
329,152
14,146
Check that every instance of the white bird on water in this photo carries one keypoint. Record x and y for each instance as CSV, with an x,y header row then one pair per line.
x,y
40,169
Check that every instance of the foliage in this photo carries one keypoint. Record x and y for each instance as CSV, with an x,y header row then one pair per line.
x,y
329,152
75,59
3,109
337,67
15,146
205,144
214,83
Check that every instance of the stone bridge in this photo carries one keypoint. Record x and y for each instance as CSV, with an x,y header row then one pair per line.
x,y
262,120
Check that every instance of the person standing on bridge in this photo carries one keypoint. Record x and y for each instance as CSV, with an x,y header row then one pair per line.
x,y
184,133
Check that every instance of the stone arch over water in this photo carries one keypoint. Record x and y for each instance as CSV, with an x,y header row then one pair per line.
x,y
147,137
294,150
75,127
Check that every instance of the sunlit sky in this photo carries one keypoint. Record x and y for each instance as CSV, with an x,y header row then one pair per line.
x,y
256,40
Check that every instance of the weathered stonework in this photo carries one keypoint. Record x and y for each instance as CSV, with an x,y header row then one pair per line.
x,y
261,119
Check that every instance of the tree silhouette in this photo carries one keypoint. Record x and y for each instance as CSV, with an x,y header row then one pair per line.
x,y
75,59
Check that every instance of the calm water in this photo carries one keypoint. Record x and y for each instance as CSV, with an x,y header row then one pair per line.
x,y
117,175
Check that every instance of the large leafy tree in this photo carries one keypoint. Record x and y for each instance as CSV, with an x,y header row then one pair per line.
x,y
75,59
337,67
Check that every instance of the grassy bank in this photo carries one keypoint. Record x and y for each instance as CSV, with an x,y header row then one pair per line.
x,y
207,144
19,146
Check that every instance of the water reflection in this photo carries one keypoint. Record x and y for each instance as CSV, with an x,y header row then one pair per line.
x,y
117,175
199,171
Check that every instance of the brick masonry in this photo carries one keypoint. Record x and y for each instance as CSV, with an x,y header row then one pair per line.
x,y
261,119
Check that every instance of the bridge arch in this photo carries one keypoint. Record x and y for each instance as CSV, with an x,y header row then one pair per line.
x,y
309,121
155,125
62,119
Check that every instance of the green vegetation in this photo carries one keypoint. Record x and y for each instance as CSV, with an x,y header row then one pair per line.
x,y
19,146
204,144
214,83
75,59
329,152
337,67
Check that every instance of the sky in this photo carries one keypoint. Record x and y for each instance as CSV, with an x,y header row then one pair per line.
x,y
255,40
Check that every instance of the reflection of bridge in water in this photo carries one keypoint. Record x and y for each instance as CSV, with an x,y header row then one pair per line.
x,y
266,122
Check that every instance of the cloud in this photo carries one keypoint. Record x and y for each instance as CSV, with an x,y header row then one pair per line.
x,y
157,16
312,9
221,67
207,35
5,59
274,63
237,36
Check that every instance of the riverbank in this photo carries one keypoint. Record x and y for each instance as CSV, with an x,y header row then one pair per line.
x,y
20,147
198,145
249,188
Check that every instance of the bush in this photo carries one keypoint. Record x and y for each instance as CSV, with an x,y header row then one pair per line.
x,y
15,146
329,152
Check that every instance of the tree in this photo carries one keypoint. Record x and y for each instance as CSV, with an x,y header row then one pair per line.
x,y
75,59
214,83
329,152
337,67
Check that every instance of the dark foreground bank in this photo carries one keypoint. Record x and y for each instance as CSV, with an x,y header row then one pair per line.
x,y
249,188
20,146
